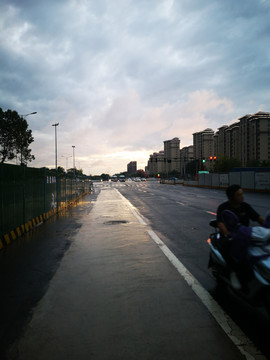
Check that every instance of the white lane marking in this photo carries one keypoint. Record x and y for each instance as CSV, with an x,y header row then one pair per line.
x,y
178,202
134,211
240,340
229,327
211,213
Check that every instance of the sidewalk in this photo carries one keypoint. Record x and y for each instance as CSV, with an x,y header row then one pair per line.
x,y
116,296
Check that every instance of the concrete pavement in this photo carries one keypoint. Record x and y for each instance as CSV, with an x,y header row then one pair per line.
x,y
116,296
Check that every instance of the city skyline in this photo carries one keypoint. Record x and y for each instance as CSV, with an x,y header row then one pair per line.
x,y
247,140
121,77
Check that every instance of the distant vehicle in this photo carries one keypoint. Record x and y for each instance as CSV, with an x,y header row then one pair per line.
x,y
137,179
143,179
122,178
114,178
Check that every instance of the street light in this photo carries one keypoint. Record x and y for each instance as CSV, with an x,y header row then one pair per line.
x,y
56,168
67,157
73,146
32,113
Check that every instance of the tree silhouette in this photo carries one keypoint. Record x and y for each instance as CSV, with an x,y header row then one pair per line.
x,y
15,137
225,164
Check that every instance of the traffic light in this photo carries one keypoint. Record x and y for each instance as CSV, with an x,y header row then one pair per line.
x,y
211,158
158,175
203,160
215,158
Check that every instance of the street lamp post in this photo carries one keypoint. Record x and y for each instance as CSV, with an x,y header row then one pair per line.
x,y
32,113
67,157
56,167
73,146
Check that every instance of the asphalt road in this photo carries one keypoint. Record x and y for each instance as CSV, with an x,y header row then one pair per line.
x,y
180,215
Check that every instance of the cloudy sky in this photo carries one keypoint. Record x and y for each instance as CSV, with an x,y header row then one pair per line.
x,y
121,76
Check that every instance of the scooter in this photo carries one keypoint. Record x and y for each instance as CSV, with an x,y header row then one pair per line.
x,y
255,283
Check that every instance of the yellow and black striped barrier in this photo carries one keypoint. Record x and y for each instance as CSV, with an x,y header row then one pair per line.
x,y
31,224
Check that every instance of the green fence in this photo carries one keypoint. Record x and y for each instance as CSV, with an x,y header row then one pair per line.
x,y
25,193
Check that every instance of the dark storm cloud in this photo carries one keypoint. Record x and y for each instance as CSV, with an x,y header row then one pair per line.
x,y
129,74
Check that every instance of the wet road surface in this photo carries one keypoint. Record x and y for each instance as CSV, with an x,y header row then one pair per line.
x,y
100,288
180,215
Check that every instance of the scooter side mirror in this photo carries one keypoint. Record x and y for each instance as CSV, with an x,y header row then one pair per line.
x,y
213,223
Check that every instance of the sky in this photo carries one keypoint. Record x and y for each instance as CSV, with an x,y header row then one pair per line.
x,y
122,76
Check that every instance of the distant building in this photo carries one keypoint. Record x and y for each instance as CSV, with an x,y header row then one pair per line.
x,y
246,140
255,137
233,148
172,155
203,147
132,167
146,170
186,155
156,163
220,141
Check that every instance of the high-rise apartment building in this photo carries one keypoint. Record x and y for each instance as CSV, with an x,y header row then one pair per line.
x,y
186,155
203,147
132,167
232,148
156,163
255,137
220,141
172,155
246,140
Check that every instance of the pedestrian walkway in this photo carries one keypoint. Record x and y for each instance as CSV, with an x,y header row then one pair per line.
x,y
116,296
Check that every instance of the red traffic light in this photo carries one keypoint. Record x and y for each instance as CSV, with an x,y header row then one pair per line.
x,y
211,158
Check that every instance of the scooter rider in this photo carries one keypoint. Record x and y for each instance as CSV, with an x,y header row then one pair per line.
x,y
245,213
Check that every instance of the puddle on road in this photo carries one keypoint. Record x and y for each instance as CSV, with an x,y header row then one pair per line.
x,y
115,222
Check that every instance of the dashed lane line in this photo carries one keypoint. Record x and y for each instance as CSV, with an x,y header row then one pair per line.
x,y
240,340
211,213
180,203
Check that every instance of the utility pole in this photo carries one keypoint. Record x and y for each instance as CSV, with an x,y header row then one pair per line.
x,y
56,167
73,146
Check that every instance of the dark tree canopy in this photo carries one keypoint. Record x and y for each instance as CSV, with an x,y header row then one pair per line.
x,y
191,167
15,137
225,164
